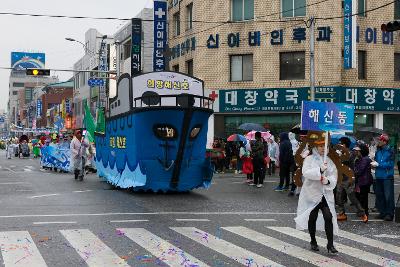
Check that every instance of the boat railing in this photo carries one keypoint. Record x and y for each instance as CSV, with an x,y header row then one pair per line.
x,y
181,100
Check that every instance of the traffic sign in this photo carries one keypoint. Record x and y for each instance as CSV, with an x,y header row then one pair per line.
x,y
95,82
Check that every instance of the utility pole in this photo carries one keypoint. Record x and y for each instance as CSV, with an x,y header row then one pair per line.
x,y
312,55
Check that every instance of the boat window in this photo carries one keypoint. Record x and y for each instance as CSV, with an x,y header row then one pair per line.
x,y
165,132
194,132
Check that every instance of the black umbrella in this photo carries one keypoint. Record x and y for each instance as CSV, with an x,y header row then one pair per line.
x,y
367,133
297,130
252,127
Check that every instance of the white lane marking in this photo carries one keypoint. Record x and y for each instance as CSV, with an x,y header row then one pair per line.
x,y
291,250
192,220
91,249
29,167
24,190
40,223
240,255
354,252
12,166
163,250
388,236
83,191
19,250
124,221
8,169
48,195
260,220
12,183
373,220
370,242
27,170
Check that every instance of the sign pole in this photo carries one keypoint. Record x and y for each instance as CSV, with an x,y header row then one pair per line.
x,y
312,67
326,146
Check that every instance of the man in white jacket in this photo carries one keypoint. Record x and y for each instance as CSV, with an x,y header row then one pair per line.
x,y
78,155
320,179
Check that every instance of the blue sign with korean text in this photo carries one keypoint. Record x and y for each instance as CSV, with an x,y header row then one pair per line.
x,y
95,82
349,34
261,100
136,49
38,108
160,35
327,116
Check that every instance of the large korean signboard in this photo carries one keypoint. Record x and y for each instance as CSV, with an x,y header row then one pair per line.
x,y
289,99
320,116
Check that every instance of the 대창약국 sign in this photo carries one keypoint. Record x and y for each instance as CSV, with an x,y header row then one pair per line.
x,y
320,116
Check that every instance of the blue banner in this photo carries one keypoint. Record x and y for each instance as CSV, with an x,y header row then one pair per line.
x,y
56,156
320,116
38,108
160,35
350,34
24,60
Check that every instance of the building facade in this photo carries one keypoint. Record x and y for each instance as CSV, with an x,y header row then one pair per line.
x,y
254,57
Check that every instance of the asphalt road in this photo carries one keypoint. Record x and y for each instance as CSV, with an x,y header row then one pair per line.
x,y
49,219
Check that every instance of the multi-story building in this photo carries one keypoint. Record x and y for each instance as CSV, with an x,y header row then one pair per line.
x,y
254,57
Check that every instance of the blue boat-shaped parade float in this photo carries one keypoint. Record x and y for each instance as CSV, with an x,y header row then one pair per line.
x,y
156,133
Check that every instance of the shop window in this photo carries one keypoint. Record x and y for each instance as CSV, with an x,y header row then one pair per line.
x,y
292,66
175,68
189,16
397,10
241,68
361,8
397,66
362,67
242,10
28,95
189,67
293,8
177,23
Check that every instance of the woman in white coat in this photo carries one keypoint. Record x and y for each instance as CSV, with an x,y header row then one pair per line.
x,y
317,194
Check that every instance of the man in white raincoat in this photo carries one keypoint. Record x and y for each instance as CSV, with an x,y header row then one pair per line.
x,y
317,194
78,155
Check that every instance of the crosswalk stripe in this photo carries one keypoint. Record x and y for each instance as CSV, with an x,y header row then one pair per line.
x,y
223,247
370,242
19,250
356,253
160,248
91,249
291,250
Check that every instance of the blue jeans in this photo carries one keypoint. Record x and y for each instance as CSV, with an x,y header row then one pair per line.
x,y
384,193
239,164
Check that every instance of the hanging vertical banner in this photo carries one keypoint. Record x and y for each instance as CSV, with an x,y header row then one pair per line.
x,y
112,66
350,34
136,53
103,65
67,106
160,34
39,108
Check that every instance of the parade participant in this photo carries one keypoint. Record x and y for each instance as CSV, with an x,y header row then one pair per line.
x,y
247,164
320,179
9,148
362,171
273,153
286,159
78,155
257,150
384,174
293,167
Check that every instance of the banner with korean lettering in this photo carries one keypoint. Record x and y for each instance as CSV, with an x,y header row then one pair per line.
x,y
160,34
38,108
350,34
320,116
261,100
136,51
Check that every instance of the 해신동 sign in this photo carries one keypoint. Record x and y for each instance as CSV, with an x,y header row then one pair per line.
x,y
319,116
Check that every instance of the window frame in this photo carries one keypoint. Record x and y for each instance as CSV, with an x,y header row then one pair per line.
x,y
189,16
396,15
175,68
286,78
293,10
363,14
188,62
243,16
177,23
363,76
396,78
242,68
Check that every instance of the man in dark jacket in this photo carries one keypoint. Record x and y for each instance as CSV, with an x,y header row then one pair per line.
x,y
257,150
384,174
286,160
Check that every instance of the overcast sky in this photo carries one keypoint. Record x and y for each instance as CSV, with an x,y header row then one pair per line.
x,y
47,35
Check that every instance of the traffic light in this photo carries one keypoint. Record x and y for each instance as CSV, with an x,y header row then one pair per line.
x,y
38,72
391,26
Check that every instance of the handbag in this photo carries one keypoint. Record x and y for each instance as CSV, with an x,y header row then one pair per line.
x,y
397,210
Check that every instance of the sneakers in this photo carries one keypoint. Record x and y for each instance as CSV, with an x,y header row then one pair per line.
x,y
342,217
259,185
252,184
364,218
286,188
278,189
